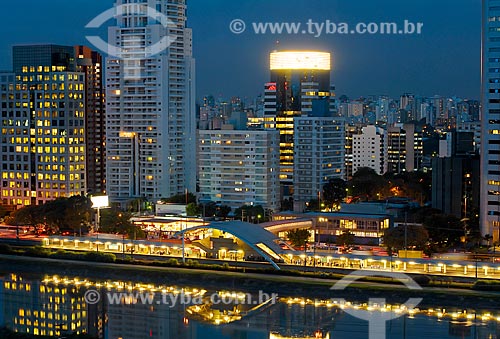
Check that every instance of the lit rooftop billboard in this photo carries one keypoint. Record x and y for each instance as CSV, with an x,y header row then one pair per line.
x,y
301,60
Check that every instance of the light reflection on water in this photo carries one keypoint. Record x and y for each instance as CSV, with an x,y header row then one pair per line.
x,y
52,305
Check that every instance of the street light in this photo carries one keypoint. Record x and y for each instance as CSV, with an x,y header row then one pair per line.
x,y
465,220
123,235
99,202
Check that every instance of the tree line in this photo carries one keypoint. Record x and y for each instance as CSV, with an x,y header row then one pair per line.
x,y
74,215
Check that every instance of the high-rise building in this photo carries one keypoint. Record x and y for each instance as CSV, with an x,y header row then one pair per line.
x,y
355,109
426,111
474,109
382,109
317,156
89,62
473,127
300,87
457,143
490,121
455,185
404,148
369,149
438,105
150,107
349,132
407,103
239,167
42,144
396,149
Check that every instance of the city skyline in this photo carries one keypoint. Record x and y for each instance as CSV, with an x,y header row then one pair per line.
x,y
163,161
362,64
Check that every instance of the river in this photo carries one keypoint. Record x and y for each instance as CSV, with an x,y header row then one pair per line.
x,y
45,304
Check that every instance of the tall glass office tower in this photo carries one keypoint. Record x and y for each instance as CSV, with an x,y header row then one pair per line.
x,y
300,103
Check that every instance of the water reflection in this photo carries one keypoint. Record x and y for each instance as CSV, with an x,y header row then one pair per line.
x,y
55,306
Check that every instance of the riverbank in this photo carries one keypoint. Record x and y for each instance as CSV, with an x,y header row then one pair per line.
x,y
426,279
285,286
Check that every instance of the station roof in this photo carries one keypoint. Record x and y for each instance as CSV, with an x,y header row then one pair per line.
x,y
341,214
253,235
286,225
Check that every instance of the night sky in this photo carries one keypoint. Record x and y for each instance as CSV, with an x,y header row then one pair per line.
x,y
444,60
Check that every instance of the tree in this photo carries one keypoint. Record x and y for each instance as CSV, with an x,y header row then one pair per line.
x,y
334,191
114,221
287,204
211,209
298,237
367,183
488,238
26,216
223,211
420,214
118,222
77,213
313,205
3,212
62,213
139,204
474,238
180,199
346,239
250,213
54,214
416,237
192,210
414,185
444,230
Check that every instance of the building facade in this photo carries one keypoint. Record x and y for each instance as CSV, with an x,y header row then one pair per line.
x,y
89,62
490,121
455,185
318,142
405,149
150,108
457,143
473,127
239,167
368,228
42,145
369,149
